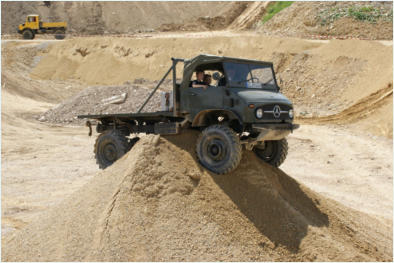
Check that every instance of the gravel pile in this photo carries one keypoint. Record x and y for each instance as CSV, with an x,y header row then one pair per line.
x,y
96,100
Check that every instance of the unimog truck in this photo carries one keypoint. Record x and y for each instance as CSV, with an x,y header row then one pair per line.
x,y
243,111
34,25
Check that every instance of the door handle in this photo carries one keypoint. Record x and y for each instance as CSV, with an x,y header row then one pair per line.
x,y
193,94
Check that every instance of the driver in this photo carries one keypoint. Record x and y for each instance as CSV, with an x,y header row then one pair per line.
x,y
199,82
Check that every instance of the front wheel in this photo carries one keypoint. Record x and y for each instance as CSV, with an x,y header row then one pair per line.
x,y
218,149
272,152
28,34
111,146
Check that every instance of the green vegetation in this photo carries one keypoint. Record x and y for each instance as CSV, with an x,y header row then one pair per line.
x,y
364,13
275,8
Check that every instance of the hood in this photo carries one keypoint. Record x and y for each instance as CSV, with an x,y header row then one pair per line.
x,y
262,96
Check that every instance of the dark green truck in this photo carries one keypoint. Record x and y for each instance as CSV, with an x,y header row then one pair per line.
x,y
243,111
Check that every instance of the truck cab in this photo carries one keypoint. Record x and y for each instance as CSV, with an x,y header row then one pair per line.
x,y
246,94
32,22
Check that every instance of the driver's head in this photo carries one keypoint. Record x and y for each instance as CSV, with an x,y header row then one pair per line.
x,y
200,75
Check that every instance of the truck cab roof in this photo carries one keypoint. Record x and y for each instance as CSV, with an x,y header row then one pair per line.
x,y
203,59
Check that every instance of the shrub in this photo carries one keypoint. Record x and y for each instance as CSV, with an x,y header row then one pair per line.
x,y
275,8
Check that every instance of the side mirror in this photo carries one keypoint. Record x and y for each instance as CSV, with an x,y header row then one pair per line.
x,y
216,76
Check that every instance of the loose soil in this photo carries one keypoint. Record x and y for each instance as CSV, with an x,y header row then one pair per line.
x,y
158,204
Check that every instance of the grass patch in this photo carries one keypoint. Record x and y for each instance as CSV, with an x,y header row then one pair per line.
x,y
364,13
275,8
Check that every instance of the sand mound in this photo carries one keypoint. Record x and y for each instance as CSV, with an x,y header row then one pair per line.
x,y
158,204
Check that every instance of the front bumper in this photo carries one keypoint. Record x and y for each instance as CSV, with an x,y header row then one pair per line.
x,y
268,132
272,132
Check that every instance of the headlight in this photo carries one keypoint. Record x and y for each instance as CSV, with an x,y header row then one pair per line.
x,y
259,113
291,113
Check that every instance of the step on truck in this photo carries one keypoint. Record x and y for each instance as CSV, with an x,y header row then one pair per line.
x,y
244,110
33,25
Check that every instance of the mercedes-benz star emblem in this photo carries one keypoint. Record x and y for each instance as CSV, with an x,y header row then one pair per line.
x,y
276,111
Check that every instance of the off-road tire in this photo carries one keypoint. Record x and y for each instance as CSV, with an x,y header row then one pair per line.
x,y
28,34
274,152
218,149
60,34
110,146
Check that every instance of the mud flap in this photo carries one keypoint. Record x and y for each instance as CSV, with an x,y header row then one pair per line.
x,y
89,125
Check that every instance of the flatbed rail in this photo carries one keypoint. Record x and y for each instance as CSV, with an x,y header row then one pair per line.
x,y
127,115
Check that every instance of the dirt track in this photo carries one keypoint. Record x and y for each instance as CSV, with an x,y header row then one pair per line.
x,y
44,164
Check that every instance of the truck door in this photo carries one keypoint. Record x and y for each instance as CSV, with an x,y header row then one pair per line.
x,y
203,99
32,22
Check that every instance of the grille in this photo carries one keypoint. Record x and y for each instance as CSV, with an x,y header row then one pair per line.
x,y
269,112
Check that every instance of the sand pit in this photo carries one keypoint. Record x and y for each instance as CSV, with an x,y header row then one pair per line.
x,y
158,204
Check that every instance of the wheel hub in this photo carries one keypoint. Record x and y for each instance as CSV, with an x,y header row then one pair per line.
x,y
110,152
215,150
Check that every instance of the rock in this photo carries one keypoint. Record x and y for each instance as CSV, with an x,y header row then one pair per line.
x,y
194,176
117,99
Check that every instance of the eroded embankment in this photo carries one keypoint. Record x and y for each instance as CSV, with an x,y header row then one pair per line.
x,y
158,204
372,113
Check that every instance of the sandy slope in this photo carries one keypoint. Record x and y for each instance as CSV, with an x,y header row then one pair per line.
x,y
306,19
158,204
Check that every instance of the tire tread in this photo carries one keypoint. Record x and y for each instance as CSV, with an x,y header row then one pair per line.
x,y
116,136
235,145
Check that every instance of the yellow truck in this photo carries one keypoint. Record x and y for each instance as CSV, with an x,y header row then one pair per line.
x,y
34,25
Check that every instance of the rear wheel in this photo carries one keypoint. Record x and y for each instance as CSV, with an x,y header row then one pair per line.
x,y
60,34
111,146
28,34
272,152
218,149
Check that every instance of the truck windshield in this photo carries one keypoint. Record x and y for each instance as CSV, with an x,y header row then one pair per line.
x,y
250,75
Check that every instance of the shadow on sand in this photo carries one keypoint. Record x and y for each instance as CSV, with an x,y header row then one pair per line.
x,y
279,207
